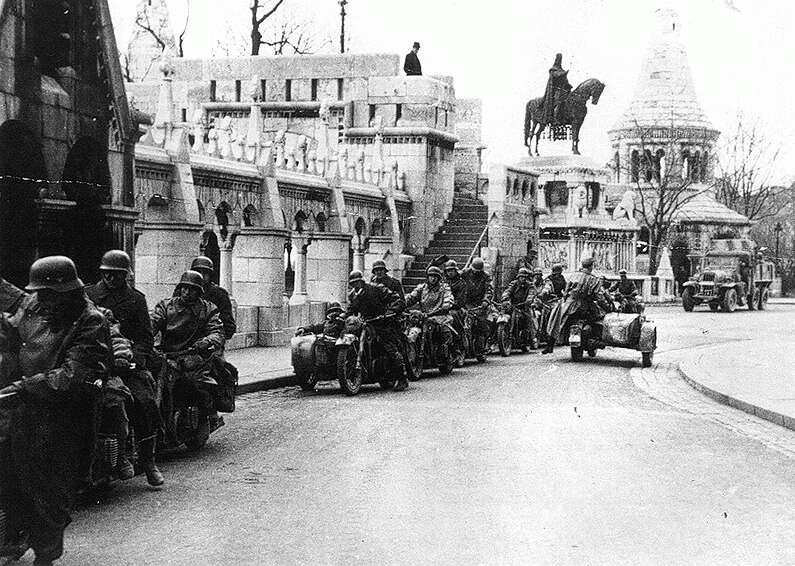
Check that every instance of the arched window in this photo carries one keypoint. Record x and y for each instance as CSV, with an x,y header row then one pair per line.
x,y
376,228
516,188
202,214
704,173
695,166
222,214
648,165
250,216
659,164
300,221
524,189
686,164
320,222
634,167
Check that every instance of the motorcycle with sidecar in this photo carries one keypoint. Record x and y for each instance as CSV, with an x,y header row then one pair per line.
x,y
618,330
360,357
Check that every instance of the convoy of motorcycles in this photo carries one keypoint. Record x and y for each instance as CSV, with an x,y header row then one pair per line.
x,y
355,358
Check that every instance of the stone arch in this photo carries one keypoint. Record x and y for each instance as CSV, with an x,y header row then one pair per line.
x,y
86,180
686,164
21,158
250,216
695,166
320,222
300,222
377,227
360,231
524,189
223,218
634,167
209,247
659,164
515,191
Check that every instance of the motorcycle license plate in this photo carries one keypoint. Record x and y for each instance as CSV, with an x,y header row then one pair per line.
x,y
575,337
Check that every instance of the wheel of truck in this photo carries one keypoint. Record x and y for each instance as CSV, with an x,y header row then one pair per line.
x,y
714,307
763,296
729,302
576,354
350,378
687,299
504,339
647,358
415,361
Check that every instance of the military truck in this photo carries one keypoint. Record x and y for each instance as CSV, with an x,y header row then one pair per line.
x,y
732,274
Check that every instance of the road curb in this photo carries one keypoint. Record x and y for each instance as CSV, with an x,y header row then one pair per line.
x,y
269,380
686,370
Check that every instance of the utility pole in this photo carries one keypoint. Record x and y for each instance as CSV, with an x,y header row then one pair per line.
x,y
342,4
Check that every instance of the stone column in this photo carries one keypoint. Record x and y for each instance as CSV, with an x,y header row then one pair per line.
x,y
328,267
225,269
358,258
300,245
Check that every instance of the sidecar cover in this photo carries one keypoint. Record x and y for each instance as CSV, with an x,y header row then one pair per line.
x,y
301,353
620,329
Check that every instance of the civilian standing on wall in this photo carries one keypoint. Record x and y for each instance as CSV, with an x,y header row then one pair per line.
x,y
412,64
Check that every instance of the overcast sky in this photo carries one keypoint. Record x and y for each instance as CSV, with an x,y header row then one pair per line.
x,y
742,53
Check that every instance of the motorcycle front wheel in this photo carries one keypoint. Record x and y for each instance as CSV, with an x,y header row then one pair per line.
x,y
350,377
414,368
504,339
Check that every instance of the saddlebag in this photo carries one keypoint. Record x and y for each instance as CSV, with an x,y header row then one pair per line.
x,y
226,375
619,329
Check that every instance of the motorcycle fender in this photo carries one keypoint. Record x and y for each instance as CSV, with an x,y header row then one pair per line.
x,y
346,340
413,334
648,337
575,335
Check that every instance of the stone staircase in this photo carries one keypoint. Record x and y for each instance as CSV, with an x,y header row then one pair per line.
x,y
455,238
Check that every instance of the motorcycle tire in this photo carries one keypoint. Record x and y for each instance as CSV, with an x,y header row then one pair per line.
x,y
504,340
307,382
576,354
414,368
349,377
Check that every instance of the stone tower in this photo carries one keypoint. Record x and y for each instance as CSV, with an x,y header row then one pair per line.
x,y
664,127
144,52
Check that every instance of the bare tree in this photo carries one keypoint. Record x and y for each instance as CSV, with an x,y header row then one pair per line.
x,y
297,38
261,10
745,167
665,179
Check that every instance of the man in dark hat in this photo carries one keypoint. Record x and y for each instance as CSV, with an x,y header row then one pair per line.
x,y
412,64
332,326
626,293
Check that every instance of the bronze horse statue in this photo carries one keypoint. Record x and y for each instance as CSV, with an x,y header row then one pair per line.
x,y
572,114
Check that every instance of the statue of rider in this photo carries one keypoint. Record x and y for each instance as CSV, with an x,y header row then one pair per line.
x,y
558,88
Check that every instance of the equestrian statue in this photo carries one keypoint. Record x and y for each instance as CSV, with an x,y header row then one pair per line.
x,y
560,106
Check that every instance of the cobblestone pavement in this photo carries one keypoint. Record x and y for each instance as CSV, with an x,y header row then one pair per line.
x,y
527,460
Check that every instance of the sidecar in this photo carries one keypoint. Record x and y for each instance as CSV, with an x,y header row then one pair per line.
x,y
616,330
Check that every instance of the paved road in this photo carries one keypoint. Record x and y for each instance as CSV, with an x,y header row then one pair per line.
x,y
532,461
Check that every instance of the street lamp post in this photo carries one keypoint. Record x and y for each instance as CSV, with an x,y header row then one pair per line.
x,y
342,4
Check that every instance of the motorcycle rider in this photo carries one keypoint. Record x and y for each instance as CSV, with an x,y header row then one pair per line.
x,y
128,306
557,280
458,289
382,277
479,294
625,293
60,344
435,300
370,300
519,295
538,279
581,296
188,323
215,294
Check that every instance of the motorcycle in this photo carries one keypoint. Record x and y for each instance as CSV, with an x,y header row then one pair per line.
x,y
476,343
314,359
628,304
186,379
543,309
360,357
620,330
424,346
510,335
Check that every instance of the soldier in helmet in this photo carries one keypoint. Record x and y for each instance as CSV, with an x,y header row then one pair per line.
x,y
435,300
582,297
519,295
382,277
626,293
188,323
215,294
332,326
61,345
370,300
557,281
458,288
478,295
128,306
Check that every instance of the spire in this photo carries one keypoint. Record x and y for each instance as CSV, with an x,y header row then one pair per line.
x,y
665,94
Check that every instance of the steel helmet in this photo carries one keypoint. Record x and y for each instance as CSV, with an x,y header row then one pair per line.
x,y
587,262
202,262
477,264
557,268
523,272
451,264
380,264
116,260
622,271
355,276
192,279
333,307
433,270
538,271
56,272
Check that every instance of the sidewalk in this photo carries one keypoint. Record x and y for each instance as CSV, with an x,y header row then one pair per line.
x,y
262,368
755,376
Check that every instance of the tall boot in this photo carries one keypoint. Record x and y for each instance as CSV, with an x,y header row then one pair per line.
x,y
147,452
403,381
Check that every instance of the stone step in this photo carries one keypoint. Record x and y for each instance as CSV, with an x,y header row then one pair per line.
x,y
465,238
461,230
475,214
467,222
